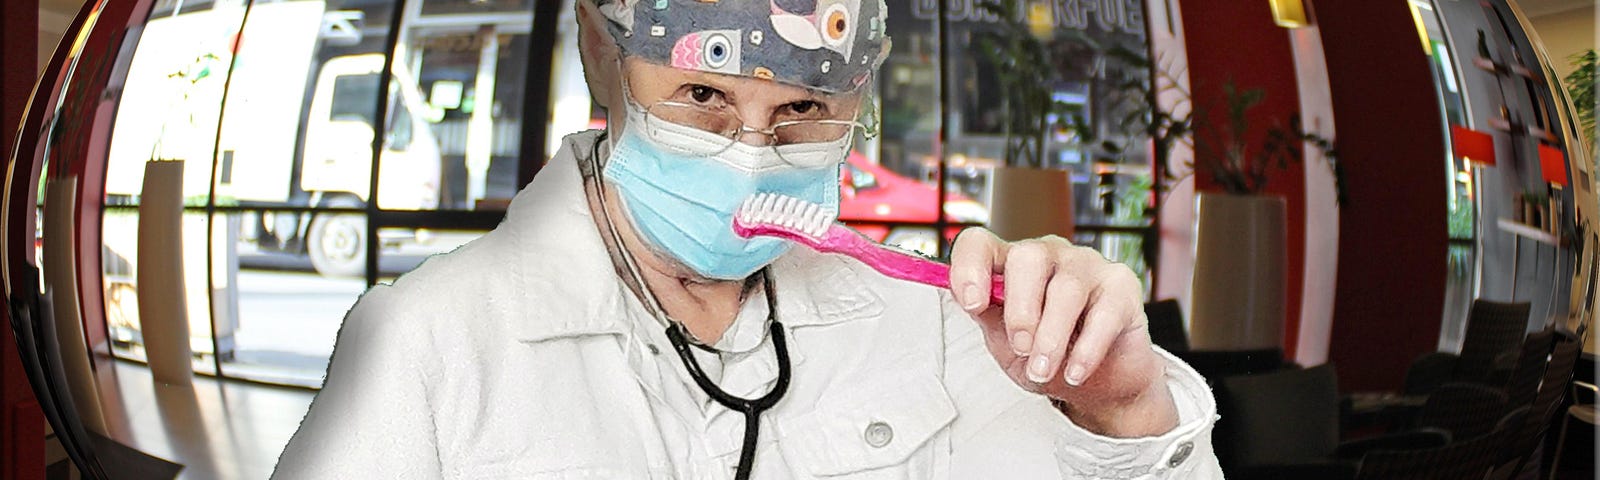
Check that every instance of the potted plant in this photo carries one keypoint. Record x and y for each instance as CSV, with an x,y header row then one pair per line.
x,y
1580,85
1027,198
1241,235
176,309
1134,85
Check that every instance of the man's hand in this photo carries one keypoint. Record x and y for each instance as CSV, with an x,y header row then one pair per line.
x,y
1072,327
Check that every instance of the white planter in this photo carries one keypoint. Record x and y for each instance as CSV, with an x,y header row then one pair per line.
x,y
1030,202
163,312
1239,273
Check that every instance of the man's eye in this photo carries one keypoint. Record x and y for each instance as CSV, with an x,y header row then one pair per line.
x,y
806,107
703,94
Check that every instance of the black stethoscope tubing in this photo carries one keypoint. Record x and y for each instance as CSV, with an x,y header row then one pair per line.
x,y
751,408
681,342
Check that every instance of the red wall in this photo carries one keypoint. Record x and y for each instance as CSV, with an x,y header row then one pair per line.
x,y
1237,41
21,421
1389,298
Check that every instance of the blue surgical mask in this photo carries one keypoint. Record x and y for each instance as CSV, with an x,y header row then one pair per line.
x,y
683,204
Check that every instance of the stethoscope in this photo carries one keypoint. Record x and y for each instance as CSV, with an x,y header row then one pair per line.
x,y
682,341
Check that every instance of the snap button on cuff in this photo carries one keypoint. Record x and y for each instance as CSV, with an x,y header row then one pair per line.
x,y
1182,454
879,434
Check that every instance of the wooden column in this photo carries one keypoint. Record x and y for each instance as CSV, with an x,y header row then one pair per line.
x,y
1389,298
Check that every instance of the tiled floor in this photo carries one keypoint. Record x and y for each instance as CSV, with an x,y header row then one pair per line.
x,y
218,429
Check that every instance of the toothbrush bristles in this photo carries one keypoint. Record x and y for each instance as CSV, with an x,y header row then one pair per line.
x,y
790,213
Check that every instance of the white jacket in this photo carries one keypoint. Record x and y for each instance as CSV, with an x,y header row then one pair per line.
x,y
522,355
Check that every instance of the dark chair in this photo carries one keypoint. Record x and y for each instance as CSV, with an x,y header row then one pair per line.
x,y
1217,365
1166,325
1285,417
1488,350
1580,411
1458,460
1285,424
1465,410
1522,445
1523,385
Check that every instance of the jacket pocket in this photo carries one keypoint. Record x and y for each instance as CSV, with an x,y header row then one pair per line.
x,y
893,429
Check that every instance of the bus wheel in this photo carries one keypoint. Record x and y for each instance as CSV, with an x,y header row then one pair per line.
x,y
337,243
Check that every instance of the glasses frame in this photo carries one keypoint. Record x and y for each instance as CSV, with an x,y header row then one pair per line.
x,y
733,135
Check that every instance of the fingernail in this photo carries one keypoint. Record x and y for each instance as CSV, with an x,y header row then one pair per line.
x,y
1075,375
1038,368
973,298
1021,343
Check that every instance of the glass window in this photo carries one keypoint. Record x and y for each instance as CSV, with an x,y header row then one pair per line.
x,y
168,109
464,78
274,114
299,228
1095,76
355,99
446,7
282,117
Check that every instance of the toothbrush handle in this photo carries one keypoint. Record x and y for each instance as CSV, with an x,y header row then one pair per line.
x,y
910,267
997,288
941,273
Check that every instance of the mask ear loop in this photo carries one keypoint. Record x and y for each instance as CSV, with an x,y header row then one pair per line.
x,y
634,278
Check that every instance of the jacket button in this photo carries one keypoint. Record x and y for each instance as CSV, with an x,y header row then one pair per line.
x,y
879,434
1182,454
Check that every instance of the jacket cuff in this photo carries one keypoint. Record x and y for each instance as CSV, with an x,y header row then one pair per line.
x,y
1176,454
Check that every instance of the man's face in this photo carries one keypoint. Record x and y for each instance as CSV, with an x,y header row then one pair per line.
x,y
759,103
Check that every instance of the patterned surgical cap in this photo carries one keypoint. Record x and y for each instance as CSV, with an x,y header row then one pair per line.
x,y
828,45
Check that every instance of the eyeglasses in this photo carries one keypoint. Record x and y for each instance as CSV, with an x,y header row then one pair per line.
x,y
725,128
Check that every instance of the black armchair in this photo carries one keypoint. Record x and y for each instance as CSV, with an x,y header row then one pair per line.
x,y
1488,351
1285,424
1166,325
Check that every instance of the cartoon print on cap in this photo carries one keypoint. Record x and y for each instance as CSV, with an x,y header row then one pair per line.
x,y
832,25
804,34
621,12
715,51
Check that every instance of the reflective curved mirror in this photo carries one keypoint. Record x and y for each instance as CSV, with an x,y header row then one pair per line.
x,y
207,186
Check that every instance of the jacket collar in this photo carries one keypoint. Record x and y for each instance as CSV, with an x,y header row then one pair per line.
x,y
566,286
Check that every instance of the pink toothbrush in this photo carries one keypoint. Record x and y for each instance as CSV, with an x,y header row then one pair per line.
x,y
806,223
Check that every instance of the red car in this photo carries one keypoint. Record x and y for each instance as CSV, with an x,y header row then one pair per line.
x,y
897,210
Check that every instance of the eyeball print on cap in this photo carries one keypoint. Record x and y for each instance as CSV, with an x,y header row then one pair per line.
x,y
828,45
711,51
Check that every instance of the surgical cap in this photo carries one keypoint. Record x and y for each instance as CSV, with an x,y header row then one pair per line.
x,y
827,45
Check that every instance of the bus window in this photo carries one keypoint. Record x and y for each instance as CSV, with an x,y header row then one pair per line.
x,y
355,98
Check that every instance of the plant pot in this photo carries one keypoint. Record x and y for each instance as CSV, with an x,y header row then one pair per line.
x,y
1238,301
163,305
1030,202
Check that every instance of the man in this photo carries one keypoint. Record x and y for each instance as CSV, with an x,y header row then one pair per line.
x,y
615,327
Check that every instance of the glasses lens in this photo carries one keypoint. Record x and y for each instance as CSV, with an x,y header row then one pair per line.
x,y
819,131
721,122
716,129
812,144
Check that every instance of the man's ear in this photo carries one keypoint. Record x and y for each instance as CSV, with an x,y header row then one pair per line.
x,y
600,55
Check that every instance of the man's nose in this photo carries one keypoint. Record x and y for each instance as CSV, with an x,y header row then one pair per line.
x,y
756,122
756,137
